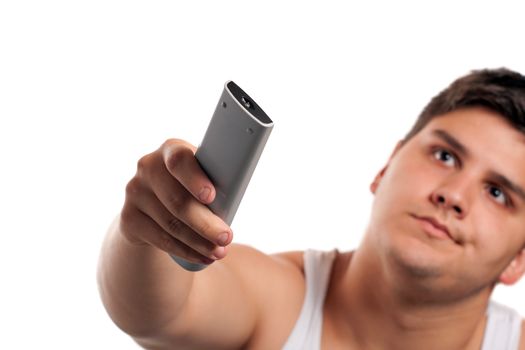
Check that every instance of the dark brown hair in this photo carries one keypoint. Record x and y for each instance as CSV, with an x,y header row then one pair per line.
x,y
500,90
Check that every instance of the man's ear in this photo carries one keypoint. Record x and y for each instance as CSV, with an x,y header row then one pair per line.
x,y
514,270
375,184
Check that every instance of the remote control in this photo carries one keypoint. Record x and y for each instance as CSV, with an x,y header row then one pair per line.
x,y
229,152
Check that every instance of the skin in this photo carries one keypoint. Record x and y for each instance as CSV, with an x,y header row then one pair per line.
x,y
434,288
422,287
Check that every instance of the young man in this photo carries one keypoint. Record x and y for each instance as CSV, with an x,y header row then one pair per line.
x,y
447,225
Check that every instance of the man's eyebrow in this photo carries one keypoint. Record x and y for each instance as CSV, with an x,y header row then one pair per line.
x,y
452,142
505,182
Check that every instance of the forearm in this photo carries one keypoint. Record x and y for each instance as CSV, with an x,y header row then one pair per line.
x,y
140,286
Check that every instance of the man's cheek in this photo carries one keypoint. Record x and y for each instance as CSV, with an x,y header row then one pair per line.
x,y
402,185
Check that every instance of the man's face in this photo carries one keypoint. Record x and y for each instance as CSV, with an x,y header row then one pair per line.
x,y
464,171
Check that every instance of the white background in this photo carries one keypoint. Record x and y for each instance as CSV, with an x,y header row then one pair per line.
x,y
87,87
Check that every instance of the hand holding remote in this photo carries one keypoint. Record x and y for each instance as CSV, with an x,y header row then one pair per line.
x,y
166,206
166,201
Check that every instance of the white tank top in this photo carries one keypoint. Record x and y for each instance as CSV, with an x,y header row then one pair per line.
x,y
502,331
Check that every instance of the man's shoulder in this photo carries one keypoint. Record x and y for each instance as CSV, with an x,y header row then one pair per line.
x,y
284,270
296,258
241,255
340,262
259,270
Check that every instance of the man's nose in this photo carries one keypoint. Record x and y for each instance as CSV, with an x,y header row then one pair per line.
x,y
452,194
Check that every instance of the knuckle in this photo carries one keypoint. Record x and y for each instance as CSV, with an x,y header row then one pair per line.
x,y
170,143
166,243
205,227
127,223
145,166
142,163
133,187
177,202
127,215
177,157
175,225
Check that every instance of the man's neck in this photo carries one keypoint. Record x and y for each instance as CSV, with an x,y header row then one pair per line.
x,y
370,312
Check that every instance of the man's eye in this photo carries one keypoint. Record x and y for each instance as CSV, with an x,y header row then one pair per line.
x,y
445,157
499,195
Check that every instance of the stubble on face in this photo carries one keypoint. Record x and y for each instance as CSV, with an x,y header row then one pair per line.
x,y
422,272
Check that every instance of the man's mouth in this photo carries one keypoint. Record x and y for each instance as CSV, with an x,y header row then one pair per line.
x,y
434,228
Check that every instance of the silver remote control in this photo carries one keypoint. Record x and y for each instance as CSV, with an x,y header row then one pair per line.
x,y
229,152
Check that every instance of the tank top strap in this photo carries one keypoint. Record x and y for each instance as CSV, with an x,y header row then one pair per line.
x,y
306,334
503,328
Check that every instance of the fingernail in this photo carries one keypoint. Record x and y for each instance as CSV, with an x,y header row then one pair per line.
x,y
219,252
223,238
204,194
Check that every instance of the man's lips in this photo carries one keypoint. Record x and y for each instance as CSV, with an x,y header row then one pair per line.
x,y
434,228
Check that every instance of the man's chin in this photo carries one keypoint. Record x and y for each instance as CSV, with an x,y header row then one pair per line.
x,y
413,266
417,259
